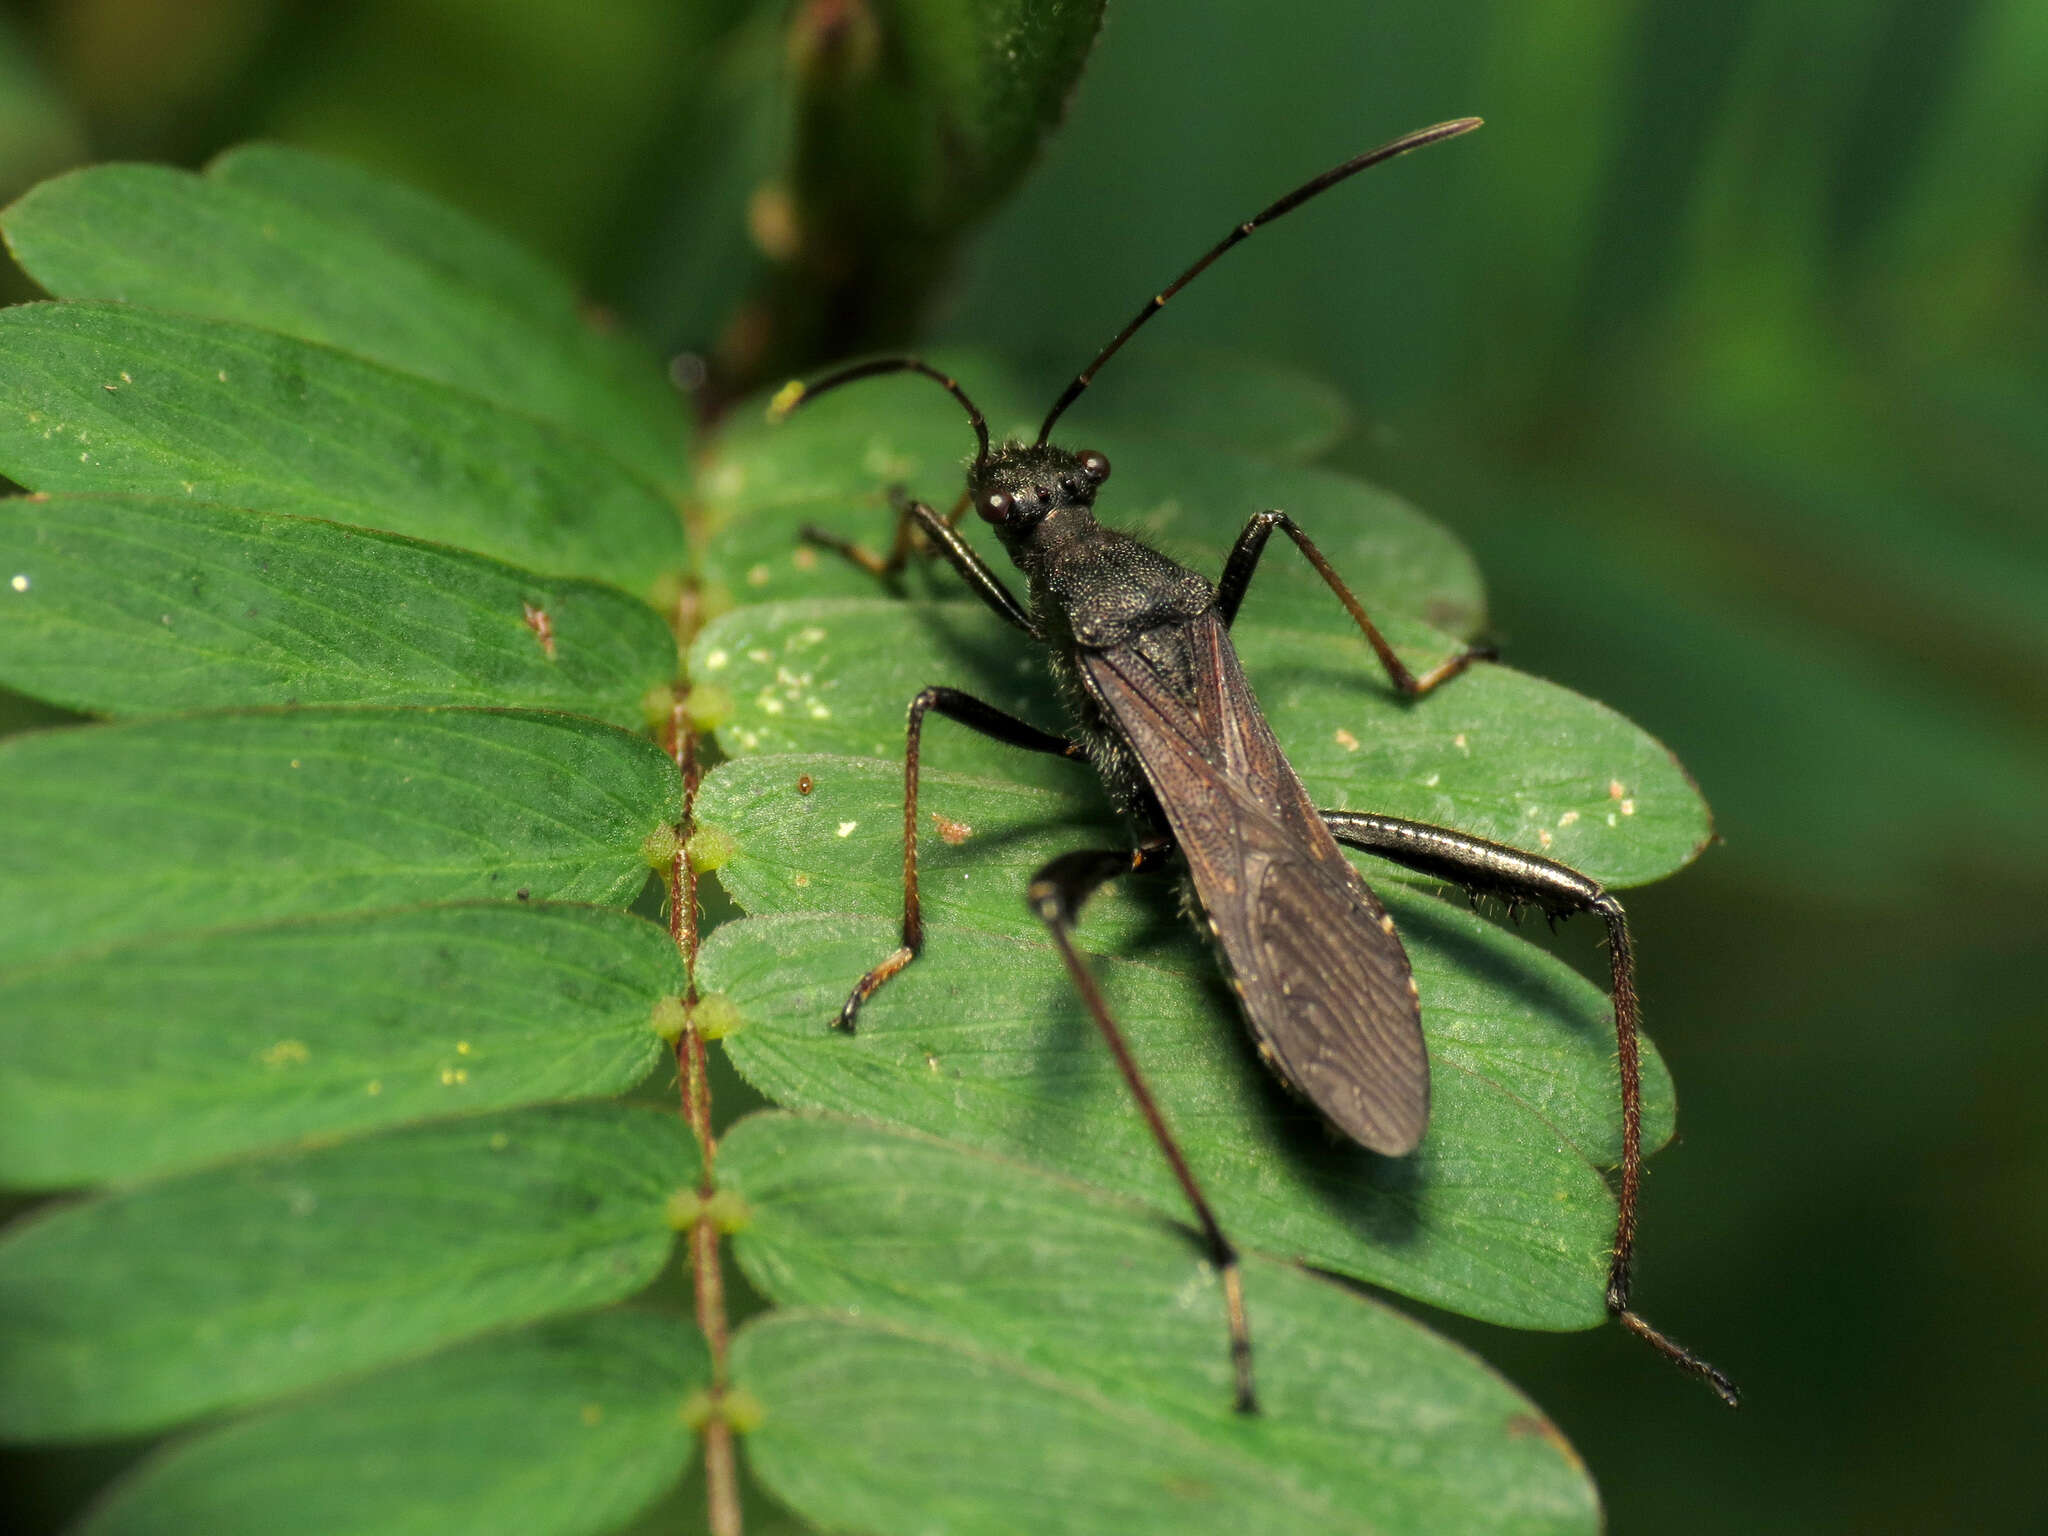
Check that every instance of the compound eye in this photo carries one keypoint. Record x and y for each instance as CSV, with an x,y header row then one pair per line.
x,y
1094,466
996,506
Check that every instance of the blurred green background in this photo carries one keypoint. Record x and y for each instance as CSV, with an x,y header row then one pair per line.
x,y
1725,345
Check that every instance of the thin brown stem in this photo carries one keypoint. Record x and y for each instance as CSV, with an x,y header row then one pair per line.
x,y
693,1086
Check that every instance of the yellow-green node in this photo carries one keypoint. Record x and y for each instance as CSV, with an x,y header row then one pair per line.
x,y
658,848
742,1411
665,591
728,1212
708,706
656,705
696,1410
717,1016
711,849
683,1209
670,1018
713,599
786,399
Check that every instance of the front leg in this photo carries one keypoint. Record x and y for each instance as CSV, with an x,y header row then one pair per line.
x,y
989,721
1494,869
980,579
1244,560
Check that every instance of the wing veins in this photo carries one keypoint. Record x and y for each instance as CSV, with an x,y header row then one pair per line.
x,y
1324,981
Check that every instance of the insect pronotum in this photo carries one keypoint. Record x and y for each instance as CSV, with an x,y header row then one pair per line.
x,y
1140,650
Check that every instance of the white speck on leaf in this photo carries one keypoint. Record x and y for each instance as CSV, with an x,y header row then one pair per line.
x,y
20,583
846,828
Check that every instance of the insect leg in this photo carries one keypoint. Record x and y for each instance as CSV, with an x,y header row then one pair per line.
x,y
1056,895
1244,559
975,571
1493,869
873,564
975,715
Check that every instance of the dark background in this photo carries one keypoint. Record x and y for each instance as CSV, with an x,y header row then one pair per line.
x,y
1725,345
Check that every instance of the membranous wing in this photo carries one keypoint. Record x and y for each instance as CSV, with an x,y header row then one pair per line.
x,y
1311,952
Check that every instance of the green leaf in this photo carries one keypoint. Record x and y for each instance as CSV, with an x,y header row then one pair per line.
x,y
833,463
639,402
264,1036
312,248
123,831
988,1323
566,1428
983,1041
104,397
140,605
1495,753
230,1286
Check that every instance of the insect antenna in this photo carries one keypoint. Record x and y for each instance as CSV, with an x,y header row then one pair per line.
x,y
1287,204
796,392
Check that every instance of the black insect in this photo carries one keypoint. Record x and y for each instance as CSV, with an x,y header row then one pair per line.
x,y
1140,649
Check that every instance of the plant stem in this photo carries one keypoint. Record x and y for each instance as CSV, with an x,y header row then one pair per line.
x,y
693,1083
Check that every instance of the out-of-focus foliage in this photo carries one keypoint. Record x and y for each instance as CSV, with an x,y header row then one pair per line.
x,y
1723,347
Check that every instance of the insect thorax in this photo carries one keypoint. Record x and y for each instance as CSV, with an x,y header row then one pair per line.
x,y
1106,591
